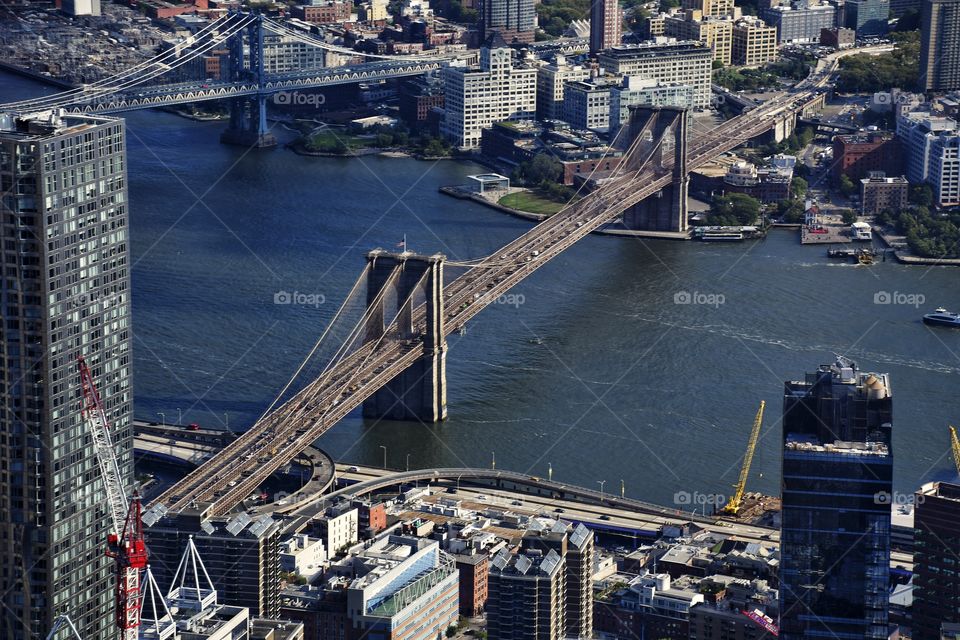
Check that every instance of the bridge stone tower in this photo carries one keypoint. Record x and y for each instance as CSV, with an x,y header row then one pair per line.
x,y
420,391
248,115
665,129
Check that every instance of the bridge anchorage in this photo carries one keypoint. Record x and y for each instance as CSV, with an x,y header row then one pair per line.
x,y
419,392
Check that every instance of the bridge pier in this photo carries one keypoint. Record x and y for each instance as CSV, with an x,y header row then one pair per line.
x,y
420,391
248,123
667,209
248,115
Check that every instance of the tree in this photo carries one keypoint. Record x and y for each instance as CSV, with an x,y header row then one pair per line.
x,y
542,169
847,187
849,216
922,195
734,209
798,187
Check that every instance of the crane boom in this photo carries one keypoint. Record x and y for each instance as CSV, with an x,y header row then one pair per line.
x,y
733,505
955,445
96,419
125,542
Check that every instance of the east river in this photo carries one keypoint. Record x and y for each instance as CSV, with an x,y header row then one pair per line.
x,y
593,367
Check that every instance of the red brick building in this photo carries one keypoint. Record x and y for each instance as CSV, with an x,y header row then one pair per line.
x,y
371,518
857,154
473,583
332,12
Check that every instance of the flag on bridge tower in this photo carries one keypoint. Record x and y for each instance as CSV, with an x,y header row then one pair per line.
x,y
403,243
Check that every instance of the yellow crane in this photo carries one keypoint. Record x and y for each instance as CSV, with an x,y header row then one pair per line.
x,y
955,445
733,505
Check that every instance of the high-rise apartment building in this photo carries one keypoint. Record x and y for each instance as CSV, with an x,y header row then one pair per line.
x,y
476,98
711,8
241,554
514,20
932,146
551,81
675,63
799,22
940,45
936,586
527,596
66,293
867,17
836,493
606,24
716,33
754,43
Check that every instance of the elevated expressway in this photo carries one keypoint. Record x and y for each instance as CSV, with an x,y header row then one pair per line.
x,y
281,435
504,489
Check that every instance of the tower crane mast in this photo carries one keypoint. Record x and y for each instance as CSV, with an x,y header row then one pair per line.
x,y
955,446
125,541
733,505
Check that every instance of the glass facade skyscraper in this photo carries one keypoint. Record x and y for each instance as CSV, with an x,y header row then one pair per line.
x,y
65,292
836,491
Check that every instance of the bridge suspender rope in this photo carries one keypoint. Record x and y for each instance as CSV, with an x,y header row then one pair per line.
x,y
284,30
333,321
297,414
108,86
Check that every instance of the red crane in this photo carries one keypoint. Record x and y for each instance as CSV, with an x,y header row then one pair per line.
x,y
125,541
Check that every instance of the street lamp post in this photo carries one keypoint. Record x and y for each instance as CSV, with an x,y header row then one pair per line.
x,y
384,455
163,418
179,416
601,483
408,462
550,471
458,482
493,460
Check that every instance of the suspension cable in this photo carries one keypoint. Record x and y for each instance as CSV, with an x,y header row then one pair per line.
x,y
316,346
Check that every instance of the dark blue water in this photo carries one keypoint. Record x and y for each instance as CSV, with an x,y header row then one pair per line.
x,y
598,372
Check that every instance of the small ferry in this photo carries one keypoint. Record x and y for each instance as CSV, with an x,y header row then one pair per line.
x,y
942,317
726,234
865,257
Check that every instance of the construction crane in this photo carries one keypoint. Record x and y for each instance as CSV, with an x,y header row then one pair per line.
x,y
733,505
955,445
125,541
60,623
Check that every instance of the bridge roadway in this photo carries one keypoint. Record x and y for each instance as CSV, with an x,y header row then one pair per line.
x,y
166,95
279,436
